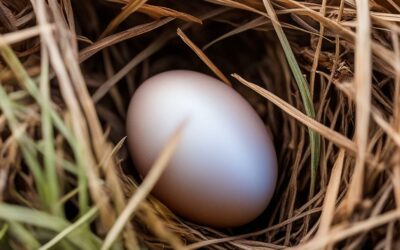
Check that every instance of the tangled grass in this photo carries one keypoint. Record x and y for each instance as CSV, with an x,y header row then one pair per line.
x,y
324,75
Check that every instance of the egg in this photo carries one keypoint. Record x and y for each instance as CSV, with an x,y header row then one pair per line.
x,y
224,170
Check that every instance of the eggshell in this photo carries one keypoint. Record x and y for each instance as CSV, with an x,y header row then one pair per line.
x,y
224,171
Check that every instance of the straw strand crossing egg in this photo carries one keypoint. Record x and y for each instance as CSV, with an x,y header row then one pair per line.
x,y
224,171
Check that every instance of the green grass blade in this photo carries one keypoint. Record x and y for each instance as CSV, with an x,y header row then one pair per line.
x,y
3,230
27,83
80,238
304,91
84,219
48,139
27,146
65,164
23,236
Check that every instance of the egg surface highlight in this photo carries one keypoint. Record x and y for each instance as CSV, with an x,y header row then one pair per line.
x,y
224,171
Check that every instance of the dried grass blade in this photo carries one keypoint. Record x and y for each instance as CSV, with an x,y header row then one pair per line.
x,y
160,227
203,57
145,188
140,57
339,233
389,130
131,7
50,42
237,5
7,17
378,49
121,36
21,35
159,11
242,28
362,81
323,130
317,50
328,208
202,244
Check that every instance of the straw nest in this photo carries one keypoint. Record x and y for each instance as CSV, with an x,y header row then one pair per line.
x,y
324,75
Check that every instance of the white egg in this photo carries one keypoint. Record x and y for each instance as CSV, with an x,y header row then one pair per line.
x,y
224,171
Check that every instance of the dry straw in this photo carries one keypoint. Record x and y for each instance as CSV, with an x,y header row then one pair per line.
x,y
324,75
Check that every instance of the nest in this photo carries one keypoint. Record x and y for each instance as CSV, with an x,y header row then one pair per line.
x,y
325,77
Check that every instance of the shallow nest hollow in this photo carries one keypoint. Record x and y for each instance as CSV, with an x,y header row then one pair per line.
x,y
323,75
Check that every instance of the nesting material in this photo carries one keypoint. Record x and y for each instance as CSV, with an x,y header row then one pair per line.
x,y
322,74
